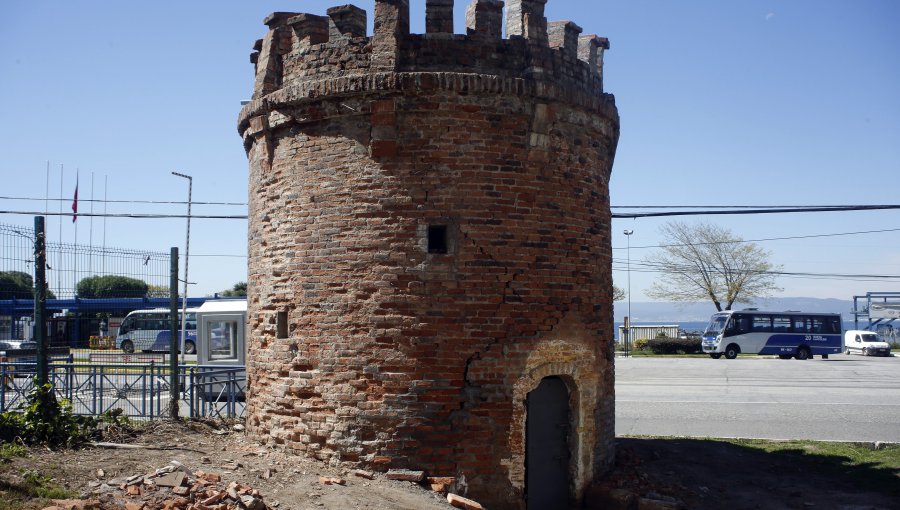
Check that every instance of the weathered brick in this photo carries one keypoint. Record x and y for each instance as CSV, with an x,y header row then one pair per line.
x,y
399,357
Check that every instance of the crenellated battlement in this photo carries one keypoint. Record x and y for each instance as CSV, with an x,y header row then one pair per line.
x,y
429,257
302,48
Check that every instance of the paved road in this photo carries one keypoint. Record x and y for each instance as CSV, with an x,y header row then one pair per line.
x,y
844,398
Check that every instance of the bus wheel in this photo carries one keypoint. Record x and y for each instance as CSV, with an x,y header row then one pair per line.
x,y
127,347
732,351
715,355
803,353
189,347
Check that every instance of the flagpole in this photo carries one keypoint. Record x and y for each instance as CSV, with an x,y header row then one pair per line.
x,y
103,269
59,265
75,221
91,231
47,191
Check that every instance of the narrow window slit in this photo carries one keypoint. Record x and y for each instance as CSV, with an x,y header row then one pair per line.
x,y
281,326
437,238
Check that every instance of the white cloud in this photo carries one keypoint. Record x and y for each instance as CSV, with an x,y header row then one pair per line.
x,y
770,16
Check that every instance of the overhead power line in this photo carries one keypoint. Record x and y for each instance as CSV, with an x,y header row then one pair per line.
x,y
774,210
789,238
652,267
729,206
166,202
128,215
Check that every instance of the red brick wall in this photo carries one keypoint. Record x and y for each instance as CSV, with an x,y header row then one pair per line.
x,y
400,358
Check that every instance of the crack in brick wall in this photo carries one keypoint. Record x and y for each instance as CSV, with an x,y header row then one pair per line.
x,y
400,358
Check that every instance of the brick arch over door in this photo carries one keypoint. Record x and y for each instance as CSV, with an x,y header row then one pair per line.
x,y
576,365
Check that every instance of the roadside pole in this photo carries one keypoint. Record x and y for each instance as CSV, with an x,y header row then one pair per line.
x,y
173,334
40,299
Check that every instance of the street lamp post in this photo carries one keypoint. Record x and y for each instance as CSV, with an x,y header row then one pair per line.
x,y
628,325
187,254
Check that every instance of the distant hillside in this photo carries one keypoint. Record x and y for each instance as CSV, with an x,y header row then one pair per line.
x,y
664,312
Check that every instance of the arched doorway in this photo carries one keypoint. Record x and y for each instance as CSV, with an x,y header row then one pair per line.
x,y
547,446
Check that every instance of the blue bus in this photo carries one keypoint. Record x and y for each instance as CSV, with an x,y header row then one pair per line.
x,y
788,335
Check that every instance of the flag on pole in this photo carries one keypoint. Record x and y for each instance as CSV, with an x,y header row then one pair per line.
x,y
75,202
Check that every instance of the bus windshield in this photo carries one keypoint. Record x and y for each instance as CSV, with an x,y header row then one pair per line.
x,y
716,325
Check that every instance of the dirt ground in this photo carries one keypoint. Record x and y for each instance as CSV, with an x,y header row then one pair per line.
x,y
677,473
717,475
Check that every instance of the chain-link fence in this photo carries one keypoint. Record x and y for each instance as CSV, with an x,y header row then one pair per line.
x,y
69,265
89,288
108,324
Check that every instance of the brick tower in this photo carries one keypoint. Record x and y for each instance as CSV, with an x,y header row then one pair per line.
x,y
430,246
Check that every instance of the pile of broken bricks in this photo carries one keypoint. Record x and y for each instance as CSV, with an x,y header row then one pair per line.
x,y
442,484
173,487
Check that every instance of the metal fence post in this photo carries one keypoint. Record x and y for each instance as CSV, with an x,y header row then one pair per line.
x,y
173,329
40,298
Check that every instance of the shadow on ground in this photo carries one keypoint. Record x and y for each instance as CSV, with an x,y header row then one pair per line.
x,y
715,474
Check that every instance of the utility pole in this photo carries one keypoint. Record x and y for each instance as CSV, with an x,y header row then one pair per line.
x,y
187,256
628,319
40,298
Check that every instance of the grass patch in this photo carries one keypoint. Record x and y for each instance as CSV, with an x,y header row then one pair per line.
x,y
10,450
881,467
29,487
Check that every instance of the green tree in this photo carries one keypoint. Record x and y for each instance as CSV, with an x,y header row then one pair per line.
x,y
110,286
239,289
705,261
157,291
18,285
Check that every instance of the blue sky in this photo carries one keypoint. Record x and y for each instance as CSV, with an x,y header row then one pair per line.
x,y
757,102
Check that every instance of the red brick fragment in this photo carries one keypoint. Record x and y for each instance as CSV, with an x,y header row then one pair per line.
x,y
464,503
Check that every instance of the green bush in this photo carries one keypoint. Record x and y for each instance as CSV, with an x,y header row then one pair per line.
x,y
674,346
41,419
111,286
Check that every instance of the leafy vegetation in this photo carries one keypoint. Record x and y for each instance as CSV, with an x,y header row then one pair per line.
x,y
111,286
666,345
707,262
239,289
27,486
18,285
10,450
158,291
41,419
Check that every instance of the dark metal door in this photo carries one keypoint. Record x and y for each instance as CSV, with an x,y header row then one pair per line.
x,y
547,446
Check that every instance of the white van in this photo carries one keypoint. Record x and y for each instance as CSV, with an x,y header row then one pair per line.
x,y
865,343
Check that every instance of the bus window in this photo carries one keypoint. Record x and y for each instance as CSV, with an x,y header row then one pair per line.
x,y
781,323
761,324
834,324
739,325
716,324
801,324
818,325
126,325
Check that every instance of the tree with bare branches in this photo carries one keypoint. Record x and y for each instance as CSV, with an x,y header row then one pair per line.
x,y
705,261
